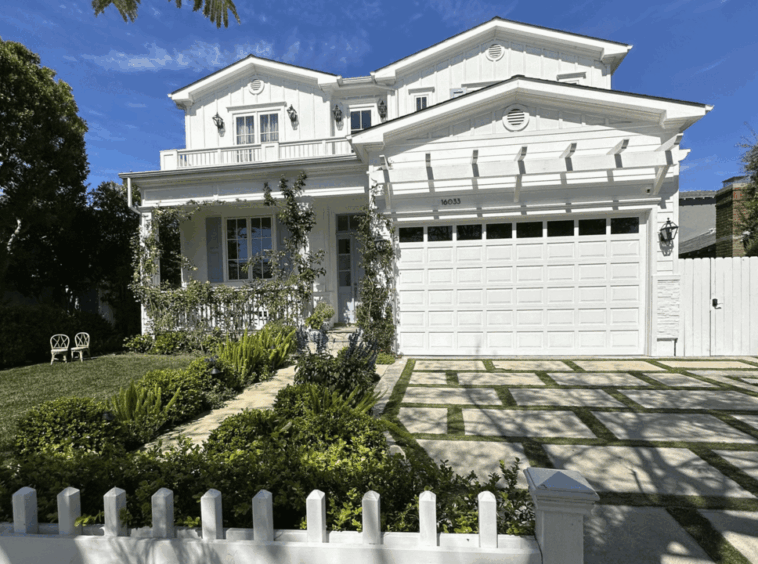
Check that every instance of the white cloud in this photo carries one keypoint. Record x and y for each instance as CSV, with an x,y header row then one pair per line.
x,y
201,56
713,66
68,58
133,105
94,113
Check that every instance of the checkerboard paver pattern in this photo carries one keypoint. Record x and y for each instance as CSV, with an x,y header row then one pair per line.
x,y
632,427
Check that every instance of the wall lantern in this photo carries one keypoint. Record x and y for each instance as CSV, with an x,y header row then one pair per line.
x,y
292,113
218,121
381,243
668,231
382,107
337,113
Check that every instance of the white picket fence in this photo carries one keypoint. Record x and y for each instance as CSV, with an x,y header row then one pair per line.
x,y
562,498
719,307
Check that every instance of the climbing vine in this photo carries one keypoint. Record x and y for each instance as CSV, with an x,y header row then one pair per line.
x,y
375,314
198,307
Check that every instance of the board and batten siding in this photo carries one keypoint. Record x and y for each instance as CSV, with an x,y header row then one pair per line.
x,y
310,102
471,67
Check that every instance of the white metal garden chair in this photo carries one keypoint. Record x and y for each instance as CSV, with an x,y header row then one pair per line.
x,y
81,345
59,345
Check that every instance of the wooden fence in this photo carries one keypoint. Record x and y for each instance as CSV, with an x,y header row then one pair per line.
x,y
719,307
562,498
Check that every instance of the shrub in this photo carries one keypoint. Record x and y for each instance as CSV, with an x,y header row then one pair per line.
x,y
258,353
343,374
170,343
141,412
67,424
385,358
138,343
240,431
193,397
322,313
295,401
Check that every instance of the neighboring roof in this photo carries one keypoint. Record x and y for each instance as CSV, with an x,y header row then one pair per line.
x,y
613,51
733,179
477,93
693,194
698,242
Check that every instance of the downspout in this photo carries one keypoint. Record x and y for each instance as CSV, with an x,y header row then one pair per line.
x,y
129,200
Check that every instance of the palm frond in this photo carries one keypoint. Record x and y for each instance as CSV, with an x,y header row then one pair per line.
x,y
217,11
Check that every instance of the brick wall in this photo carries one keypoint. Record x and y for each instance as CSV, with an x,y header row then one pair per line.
x,y
728,231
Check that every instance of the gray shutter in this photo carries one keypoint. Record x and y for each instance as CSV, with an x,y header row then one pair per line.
x,y
213,247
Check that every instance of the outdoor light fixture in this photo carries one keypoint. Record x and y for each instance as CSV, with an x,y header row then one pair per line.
x,y
108,417
292,113
381,243
218,121
382,107
215,371
337,113
668,231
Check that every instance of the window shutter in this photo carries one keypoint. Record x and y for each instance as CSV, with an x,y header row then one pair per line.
x,y
213,248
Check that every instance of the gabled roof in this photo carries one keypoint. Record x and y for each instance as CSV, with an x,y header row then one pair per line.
x,y
610,52
186,93
666,111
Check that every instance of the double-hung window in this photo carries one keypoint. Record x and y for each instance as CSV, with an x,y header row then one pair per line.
x,y
421,102
268,129
248,238
360,120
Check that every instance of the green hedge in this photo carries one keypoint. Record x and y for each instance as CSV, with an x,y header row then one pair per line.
x,y
25,332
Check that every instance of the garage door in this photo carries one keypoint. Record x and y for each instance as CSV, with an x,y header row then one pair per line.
x,y
523,288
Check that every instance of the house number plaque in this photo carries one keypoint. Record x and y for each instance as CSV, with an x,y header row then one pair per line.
x,y
450,201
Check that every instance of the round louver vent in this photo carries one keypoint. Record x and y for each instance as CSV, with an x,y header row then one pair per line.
x,y
515,118
256,86
495,52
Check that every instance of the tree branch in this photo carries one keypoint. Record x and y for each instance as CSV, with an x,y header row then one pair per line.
x,y
13,236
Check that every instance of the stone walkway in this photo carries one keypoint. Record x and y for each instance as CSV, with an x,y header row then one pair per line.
x,y
636,429
256,396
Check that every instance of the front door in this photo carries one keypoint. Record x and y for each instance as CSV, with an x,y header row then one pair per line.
x,y
349,272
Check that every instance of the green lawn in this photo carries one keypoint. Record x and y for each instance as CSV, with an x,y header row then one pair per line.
x,y
23,388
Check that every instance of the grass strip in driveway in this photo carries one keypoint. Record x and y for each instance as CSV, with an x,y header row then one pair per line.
x,y
705,534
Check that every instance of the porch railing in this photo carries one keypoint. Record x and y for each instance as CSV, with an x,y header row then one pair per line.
x,y
230,318
242,154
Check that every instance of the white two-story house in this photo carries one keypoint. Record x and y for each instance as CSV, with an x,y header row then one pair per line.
x,y
528,195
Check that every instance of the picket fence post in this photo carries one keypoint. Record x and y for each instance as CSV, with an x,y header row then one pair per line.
x,y
69,510
562,498
114,502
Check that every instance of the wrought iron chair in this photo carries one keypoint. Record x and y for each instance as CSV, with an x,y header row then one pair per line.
x,y
81,345
59,345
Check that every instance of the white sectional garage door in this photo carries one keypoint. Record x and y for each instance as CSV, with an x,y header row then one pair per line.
x,y
524,288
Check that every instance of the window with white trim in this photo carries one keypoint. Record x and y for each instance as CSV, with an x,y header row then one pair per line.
x,y
359,120
267,130
421,101
246,238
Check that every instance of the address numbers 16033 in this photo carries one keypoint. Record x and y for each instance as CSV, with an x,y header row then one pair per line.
x,y
450,201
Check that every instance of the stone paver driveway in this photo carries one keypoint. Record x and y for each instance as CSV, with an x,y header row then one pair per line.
x,y
670,445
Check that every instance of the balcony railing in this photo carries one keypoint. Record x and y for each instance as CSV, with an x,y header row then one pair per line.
x,y
242,154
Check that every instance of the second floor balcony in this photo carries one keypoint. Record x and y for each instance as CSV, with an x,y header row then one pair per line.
x,y
244,154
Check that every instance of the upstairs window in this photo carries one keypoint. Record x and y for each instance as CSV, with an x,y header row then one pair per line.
x,y
421,102
360,120
268,128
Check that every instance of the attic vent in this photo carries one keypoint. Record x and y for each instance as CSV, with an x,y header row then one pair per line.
x,y
495,52
256,86
516,118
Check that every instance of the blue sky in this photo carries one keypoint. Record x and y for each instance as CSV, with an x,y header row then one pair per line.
x,y
697,50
